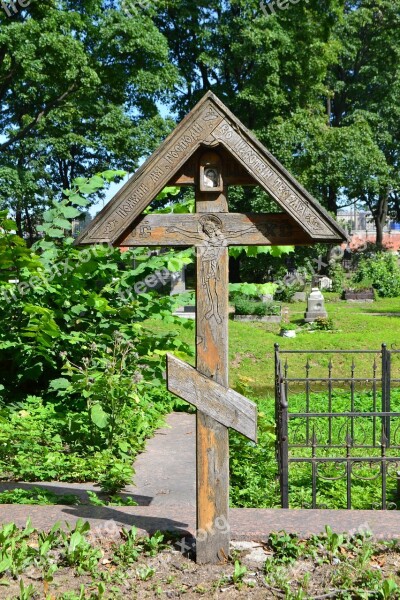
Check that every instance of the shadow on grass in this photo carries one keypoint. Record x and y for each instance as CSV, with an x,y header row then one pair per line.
x,y
74,489
382,313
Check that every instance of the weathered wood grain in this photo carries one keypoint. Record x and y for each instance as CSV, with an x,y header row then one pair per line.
x,y
224,405
275,180
212,545
153,175
237,229
234,173
210,125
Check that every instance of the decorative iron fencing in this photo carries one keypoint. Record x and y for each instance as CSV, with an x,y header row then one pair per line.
x,y
340,416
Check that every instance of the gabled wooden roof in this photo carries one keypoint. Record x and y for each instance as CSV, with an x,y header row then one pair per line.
x,y
210,124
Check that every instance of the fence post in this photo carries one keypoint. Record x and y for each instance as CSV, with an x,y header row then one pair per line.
x,y
281,420
386,383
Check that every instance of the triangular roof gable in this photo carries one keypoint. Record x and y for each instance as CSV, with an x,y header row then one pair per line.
x,y
208,124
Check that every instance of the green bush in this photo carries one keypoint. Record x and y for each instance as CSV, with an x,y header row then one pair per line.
x,y
322,324
338,276
286,292
244,305
45,442
383,272
81,377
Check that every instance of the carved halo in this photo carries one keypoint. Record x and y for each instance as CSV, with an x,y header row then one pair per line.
x,y
205,219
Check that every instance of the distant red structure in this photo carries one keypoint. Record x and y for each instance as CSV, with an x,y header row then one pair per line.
x,y
390,240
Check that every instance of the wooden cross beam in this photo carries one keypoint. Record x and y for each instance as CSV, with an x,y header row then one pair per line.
x,y
185,230
224,405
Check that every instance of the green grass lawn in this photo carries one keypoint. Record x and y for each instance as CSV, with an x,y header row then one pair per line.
x,y
251,345
251,367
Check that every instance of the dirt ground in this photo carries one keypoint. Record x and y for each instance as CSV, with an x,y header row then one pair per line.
x,y
169,574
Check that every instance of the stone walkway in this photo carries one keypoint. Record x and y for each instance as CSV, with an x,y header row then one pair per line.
x,y
165,489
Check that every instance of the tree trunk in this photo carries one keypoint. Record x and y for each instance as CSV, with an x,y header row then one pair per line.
x,y
18,220
380,216
29,226
332,200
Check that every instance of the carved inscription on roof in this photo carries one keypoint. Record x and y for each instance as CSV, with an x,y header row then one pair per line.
x,y
279,189
150,182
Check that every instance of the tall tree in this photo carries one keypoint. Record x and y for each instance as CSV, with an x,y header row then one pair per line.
x,y
317,81
366,88
79,87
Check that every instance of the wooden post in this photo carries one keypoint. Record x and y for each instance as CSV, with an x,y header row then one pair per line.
x,y
213,536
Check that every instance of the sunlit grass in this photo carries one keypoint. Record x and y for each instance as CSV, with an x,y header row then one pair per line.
x,y
357,327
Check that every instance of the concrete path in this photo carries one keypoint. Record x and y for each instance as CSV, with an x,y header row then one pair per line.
x,y
165,471
165,491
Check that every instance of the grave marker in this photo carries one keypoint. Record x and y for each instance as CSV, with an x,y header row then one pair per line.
x,y
211,150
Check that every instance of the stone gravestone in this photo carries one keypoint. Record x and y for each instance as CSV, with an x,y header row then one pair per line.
x,y
178,282
315,306
325,283
211,150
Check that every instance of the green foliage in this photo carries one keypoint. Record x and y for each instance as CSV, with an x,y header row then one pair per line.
x,y
285,293
41,554
119,474
239,573
132,547
285,546
254,480
322,324
72,333
252,466
383,272
247,306
254,290
256,251
36,495
333,541
337,274
82,95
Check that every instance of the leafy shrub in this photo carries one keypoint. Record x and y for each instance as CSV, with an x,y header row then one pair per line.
x,y
365,285
285,293
322,324
81,377
247,306
288,327
338,276
251,290
383,272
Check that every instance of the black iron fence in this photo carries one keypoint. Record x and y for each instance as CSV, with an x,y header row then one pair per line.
x,y
338,413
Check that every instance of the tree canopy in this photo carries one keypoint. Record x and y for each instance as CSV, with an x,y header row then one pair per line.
x,y
81,87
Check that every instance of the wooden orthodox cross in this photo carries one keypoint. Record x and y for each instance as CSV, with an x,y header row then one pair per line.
x,y
211,150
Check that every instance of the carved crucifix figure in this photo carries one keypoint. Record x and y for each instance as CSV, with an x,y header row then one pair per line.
x,y
213,240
